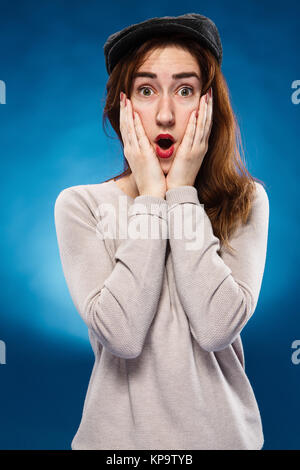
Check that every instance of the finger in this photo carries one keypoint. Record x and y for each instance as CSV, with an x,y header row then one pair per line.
x,y
188,137
140,132
122,124
201,120
127,147
208,124
132,137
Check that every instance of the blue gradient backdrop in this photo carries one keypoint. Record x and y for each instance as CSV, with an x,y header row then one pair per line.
x,y
51,137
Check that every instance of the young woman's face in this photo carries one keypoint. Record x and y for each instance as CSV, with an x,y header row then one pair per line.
x,y
164,102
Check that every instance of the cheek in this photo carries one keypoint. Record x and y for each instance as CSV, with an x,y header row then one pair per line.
x,y
145,117
183,119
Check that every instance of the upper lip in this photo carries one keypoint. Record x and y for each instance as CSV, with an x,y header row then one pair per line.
x,y
165,136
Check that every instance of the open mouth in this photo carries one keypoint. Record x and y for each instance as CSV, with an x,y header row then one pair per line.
x,y
164,147
164,143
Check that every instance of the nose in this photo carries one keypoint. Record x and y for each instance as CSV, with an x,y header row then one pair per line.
x,y
165,115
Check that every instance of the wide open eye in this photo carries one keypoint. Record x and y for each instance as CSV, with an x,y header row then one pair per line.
x,y
148,89
190,91
141,89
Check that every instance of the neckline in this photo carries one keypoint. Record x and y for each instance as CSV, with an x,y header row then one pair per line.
x,y
120,191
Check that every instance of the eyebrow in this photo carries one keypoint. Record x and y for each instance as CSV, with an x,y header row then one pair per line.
x,y
175,76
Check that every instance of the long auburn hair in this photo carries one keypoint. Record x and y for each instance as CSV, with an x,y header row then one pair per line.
x,y
223,183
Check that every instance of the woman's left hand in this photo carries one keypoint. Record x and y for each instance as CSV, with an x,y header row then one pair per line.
x,y
194,145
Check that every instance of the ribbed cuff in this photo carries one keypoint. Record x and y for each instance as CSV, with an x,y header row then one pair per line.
x,y
182,194
147,204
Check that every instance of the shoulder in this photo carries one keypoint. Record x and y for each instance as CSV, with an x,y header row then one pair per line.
x,y
81,205
256,226
261,194
258,216
260,202
88,195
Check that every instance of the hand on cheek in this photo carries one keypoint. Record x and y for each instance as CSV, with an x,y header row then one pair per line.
x,y
194,145
139,153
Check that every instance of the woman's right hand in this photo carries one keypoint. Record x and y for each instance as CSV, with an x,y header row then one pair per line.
x,y
143,162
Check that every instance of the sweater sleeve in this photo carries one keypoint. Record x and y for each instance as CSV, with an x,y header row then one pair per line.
x,y
219,290
117,299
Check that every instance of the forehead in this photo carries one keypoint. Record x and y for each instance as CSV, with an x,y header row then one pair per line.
x,y
170,58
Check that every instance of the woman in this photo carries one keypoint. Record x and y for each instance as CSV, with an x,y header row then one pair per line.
x,y
165,314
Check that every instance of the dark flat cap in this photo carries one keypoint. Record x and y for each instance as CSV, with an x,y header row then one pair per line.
x,y
195,26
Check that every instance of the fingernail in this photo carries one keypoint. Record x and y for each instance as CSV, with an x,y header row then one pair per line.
x,y
207,97
121,96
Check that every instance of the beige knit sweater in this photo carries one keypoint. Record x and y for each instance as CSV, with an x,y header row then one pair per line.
x,y
164,310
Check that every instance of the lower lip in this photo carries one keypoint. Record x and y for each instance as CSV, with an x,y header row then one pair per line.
x,y
164,153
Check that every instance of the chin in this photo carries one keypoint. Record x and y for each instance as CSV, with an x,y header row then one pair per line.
x,y
165,166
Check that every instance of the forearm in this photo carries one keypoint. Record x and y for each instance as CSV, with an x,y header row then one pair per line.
x,y
122,311
216,304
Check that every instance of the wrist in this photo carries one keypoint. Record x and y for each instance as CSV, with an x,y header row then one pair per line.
x,y
152,193
173,186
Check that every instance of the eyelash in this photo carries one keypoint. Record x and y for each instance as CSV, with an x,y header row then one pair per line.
x,y
182,88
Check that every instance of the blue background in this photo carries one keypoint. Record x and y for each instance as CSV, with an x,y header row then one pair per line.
x,y
51,137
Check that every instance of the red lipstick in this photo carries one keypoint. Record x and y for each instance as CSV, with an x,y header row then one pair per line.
x,y
164,153
164,145
164,136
